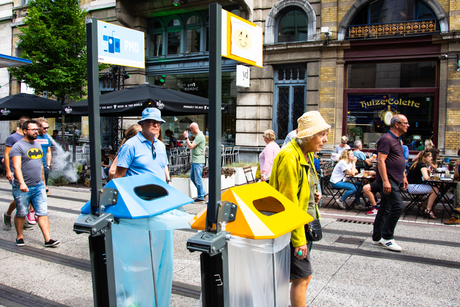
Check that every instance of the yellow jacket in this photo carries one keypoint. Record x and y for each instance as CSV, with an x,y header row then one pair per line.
x,y
290,177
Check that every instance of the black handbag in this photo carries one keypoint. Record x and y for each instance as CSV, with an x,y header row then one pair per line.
x,y
313,231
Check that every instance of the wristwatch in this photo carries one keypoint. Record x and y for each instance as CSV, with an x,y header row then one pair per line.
x,y
168,181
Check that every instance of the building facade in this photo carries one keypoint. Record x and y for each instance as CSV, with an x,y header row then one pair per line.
x,y
357,62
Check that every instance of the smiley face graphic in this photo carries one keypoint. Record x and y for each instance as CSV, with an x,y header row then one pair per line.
x,y
242,39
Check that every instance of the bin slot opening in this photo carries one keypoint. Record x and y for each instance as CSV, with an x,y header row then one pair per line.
x,y
268,205
150,191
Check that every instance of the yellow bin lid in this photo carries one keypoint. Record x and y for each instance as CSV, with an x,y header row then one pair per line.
x,y
263,213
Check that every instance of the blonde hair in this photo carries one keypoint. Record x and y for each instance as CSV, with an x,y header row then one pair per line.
x,y
344,155
269,134
428,144
42,120
130,132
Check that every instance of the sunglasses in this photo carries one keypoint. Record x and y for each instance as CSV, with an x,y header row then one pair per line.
x,y
45,128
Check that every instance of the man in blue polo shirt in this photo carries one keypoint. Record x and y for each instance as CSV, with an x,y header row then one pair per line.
x,y
144,153
391,175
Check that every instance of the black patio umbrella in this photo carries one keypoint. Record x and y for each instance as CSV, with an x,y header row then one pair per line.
x,y
133,100
15,106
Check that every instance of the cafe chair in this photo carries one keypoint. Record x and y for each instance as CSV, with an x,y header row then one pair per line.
x,y
414,200
328,190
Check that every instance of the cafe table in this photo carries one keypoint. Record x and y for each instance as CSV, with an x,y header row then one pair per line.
x,y
442,186
359,181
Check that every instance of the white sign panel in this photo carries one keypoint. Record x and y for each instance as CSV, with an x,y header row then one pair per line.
x,y
241,40
242,75
119,45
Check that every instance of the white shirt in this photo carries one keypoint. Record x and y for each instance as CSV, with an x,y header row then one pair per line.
x,y
339,170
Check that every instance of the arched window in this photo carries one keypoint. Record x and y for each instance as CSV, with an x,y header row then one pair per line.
x,y
156,39
193,34
393,17
292,26
174,30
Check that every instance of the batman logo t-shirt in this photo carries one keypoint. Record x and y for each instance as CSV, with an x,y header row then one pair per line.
x,y
31,161
35,153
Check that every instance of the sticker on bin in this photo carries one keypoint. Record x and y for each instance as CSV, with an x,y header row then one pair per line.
x,y
263,213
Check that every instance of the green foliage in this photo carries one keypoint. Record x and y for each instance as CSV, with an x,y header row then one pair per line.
x,y
57,181
54,39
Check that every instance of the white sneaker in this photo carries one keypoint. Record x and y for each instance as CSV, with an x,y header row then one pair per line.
x,y
391,245
376,242
341,204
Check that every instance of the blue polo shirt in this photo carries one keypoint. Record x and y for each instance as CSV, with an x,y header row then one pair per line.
x,y
136,156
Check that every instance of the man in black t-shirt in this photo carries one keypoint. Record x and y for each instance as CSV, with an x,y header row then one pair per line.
x,y
390,175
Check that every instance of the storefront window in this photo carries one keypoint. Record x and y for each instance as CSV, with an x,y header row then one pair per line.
x,y
392,75
368,116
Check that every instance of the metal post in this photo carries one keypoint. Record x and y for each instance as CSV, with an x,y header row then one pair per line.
x,y
215,116
93,112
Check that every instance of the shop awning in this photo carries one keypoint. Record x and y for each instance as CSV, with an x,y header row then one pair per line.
x,y
132,101
22,104
11,61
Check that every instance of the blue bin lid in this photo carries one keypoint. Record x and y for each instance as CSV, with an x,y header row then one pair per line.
x,y
142,196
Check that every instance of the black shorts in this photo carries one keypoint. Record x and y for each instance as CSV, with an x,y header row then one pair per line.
x,y
375,187
300,268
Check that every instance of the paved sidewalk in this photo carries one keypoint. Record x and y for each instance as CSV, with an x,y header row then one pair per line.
x,y
348,269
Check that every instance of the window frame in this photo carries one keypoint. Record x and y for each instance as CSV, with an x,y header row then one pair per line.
x,y
282,14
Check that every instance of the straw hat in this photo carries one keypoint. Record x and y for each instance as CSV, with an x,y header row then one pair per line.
x,y
310,123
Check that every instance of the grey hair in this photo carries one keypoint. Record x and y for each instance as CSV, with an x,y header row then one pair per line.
x,y
301,142
357,143
395,119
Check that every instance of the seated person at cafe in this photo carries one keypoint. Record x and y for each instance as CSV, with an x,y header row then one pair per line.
x,y
369,191
342,146
346,166
172,140
429,146
418,173
361,156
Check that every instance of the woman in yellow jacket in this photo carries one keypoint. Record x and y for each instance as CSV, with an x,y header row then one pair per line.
x,y
293,175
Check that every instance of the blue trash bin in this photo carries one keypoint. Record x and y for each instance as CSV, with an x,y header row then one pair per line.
x,y
146,215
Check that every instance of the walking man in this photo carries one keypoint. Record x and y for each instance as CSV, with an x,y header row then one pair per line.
x,y
143,153
10,141
198,158
391,175
44,139
28,186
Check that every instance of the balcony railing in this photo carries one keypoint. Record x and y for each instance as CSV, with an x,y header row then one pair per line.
x,y
393,29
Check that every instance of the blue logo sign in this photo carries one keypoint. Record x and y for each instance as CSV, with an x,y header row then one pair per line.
x,y
120,46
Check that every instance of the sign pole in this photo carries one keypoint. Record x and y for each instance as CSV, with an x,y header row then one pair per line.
x,y
93,113
215,112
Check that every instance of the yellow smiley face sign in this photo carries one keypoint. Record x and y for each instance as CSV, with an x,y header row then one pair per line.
x,y
243,39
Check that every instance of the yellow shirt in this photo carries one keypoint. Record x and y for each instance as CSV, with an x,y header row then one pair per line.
x,y
290,177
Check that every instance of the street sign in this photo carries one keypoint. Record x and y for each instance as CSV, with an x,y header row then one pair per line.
x,y
243,76
241,40
119,45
